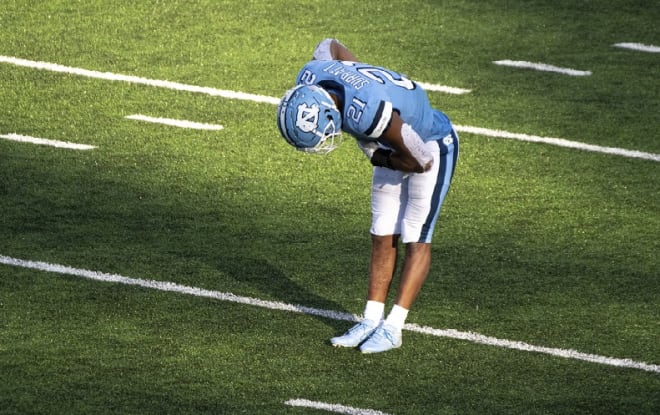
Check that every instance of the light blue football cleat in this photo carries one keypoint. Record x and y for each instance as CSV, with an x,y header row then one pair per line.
x,y
355,335
384,338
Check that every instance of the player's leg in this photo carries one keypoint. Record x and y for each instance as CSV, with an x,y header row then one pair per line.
x,y
416,266
386,197
426,193
388,193
382,266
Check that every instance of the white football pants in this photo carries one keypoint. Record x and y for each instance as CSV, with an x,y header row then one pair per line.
x,y
409,203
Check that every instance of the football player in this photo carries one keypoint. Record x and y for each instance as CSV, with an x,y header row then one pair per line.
x,y
413,148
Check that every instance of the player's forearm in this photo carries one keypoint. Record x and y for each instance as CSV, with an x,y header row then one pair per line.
x,y
391,159
406,164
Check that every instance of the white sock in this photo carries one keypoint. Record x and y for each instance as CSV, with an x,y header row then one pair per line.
x,y
374,311
397,317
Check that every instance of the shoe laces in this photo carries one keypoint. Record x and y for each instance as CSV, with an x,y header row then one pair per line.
x,y
363,326
387,334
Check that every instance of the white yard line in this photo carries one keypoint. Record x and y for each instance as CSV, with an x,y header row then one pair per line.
x,y
175,123
272,100
108,76
560,142
542,67
46,142
330,314
443,88
638,47
332,407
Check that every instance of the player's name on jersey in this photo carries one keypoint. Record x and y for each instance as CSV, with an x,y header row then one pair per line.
x,y
354,79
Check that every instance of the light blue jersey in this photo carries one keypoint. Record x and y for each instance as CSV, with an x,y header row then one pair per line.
x,y
370,94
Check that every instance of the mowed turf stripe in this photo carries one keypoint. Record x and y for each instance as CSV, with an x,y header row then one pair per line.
x,y
273,100
330,314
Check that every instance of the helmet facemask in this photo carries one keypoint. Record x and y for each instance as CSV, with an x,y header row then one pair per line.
x,y
331,138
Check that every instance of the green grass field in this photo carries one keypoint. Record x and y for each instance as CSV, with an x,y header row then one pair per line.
x,y
550,246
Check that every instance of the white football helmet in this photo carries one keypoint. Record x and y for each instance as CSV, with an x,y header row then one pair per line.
x,y
309,119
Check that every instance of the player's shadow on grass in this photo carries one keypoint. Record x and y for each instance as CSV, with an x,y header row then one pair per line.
x,y
272,283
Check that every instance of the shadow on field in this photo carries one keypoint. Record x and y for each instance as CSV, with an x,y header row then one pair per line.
x,y
268,278
127,217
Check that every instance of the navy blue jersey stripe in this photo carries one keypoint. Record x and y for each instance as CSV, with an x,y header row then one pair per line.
x,y
379,115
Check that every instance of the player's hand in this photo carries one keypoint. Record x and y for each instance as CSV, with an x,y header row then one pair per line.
x,y
427,166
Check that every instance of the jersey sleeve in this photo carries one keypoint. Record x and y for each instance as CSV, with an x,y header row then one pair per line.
x,y
368,114
380,120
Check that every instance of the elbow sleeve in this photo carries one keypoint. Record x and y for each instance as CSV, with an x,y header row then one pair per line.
x,y
415,145
323,51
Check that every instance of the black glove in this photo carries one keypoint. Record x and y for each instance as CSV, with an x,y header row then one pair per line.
x,y
381,158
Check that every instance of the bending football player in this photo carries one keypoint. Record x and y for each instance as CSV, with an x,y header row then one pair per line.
x,y
413,148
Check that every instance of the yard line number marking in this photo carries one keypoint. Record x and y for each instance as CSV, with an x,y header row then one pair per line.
x,y
46,142
330,314
175,123
272,100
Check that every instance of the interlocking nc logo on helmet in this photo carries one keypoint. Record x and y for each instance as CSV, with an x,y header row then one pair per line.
x,y
308,117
